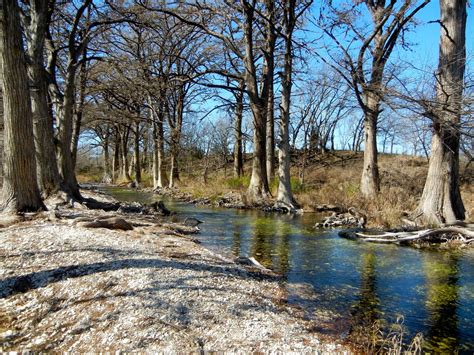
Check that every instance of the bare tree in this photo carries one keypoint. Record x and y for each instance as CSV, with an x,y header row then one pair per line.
x,y
365,70
292,11
246,15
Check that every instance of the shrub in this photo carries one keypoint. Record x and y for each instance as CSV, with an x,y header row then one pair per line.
x,y
238,182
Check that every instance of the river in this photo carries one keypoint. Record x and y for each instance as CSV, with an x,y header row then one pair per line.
x,y
347,285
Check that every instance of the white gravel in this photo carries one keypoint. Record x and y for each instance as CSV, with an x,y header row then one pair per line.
x,y
66,288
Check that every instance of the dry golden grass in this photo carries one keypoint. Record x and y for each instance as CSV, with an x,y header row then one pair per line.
x,y
334,179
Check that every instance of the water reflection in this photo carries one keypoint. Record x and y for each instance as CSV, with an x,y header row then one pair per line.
x,y
442,302
282,248
362,283
366,310
236,239
263,232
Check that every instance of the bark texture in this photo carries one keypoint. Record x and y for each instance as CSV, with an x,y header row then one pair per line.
x,y
47,167
136,154
107,177
370,181
20,189
159,176
65,118
269,74
258,189
441,200
124,163
79,111
285,195
238,156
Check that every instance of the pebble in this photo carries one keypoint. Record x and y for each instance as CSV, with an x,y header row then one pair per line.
x,y
163,304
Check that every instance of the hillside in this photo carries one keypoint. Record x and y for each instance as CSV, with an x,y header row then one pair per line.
x,y
330,178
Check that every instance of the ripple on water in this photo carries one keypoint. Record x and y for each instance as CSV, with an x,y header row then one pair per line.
x,y
343,283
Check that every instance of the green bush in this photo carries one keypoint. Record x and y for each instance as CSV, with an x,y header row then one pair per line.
x,y
296,185
238,182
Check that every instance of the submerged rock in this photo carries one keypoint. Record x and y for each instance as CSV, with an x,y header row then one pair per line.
x,y
192,222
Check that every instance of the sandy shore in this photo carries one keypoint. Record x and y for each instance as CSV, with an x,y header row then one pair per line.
x,y
64,287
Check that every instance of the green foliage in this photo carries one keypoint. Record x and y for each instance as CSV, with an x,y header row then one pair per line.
x,y
296,185
238,182
147,179
351,189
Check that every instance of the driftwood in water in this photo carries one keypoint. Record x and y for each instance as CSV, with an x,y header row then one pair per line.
x,y
463,235
181,228
351,218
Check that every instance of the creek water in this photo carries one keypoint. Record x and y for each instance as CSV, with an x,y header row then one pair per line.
x,y
347,285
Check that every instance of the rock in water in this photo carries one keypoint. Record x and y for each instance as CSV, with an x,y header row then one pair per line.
x,y
192,222
160,207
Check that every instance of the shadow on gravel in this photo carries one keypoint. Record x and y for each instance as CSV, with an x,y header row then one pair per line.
x,y
21,284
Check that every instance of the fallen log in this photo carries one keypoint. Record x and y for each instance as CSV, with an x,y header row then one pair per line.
x,y
434,235
110,223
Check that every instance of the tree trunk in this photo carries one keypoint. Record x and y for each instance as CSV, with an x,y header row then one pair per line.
x,y
79,109
172,169
2,131
175,120
146,139
370,183
116,158
258,188
131,166
138,168
20,189
270,144
107,178
124,174
238,156
65,118
285,195
159,176
441,199
269,77
47,166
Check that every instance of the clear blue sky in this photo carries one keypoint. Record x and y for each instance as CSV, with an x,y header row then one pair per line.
x,y
426,35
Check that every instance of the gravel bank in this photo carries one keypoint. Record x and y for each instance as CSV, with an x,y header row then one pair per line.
x,y
68,288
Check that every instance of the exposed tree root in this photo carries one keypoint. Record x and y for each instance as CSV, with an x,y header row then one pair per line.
x,y
285,207
109,223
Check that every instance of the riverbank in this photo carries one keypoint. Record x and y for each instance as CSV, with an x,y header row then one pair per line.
x,y
330,180
65,287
